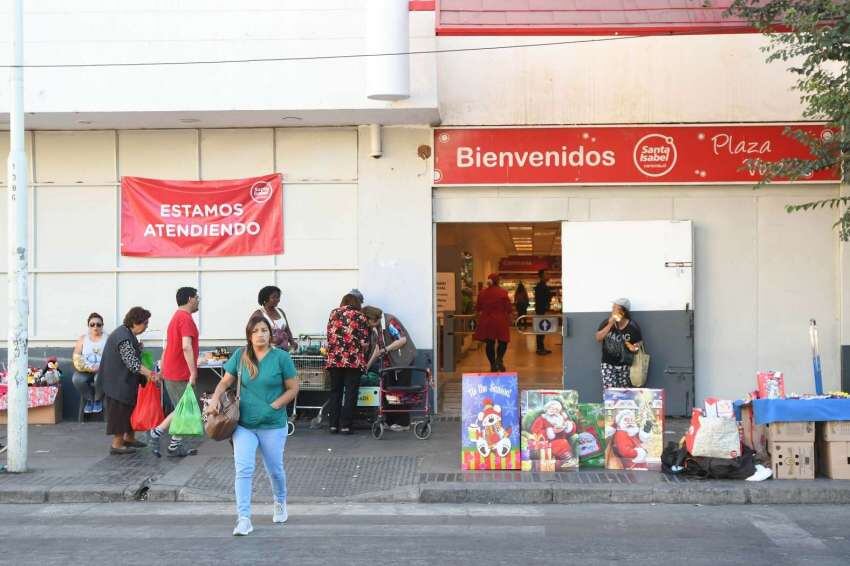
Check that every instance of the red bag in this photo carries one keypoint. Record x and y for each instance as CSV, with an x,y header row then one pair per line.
x,y
148,412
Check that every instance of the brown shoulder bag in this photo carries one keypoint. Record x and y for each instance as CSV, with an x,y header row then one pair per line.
x,y
222,425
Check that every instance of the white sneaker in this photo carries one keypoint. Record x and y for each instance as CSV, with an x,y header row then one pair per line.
x,y
760,474
280,514
243,527
399,428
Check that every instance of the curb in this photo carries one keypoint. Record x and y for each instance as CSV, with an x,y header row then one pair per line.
x,y
697,493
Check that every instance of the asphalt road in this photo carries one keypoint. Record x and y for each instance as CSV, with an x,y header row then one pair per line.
x,y
175,534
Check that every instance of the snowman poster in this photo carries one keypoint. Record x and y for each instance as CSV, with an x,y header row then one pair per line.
x,y
490,427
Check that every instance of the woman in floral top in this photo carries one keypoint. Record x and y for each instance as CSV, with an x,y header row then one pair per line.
x,y
348,339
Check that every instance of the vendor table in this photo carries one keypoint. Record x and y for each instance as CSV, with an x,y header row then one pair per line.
x,y
795,410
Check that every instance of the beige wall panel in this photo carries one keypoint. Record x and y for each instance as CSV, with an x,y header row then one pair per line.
x,y
317,154
234,154
63,301
725,290
318,254
155,292
528,208
160,154
76,227
320,211
797,281
309,296
631,208
75,157
227,300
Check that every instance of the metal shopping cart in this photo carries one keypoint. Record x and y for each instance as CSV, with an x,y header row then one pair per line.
x,y
310,363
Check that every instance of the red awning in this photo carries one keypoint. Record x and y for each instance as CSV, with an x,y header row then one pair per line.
x,y
585,17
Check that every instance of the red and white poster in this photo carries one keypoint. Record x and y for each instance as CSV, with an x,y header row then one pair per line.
x,y
615,155
202,218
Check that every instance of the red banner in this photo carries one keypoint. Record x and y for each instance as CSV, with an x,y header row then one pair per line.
x,y
612,155
201,218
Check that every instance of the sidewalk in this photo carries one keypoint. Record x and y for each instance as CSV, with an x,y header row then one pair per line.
x,y
69,463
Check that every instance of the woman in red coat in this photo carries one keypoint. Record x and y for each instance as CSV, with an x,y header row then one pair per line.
x,y
494,315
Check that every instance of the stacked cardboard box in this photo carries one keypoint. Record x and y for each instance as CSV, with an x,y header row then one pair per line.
x,y
792,450
834,449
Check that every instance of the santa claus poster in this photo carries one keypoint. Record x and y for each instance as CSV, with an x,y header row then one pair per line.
x,y
591,435
549,442
634,428
490,422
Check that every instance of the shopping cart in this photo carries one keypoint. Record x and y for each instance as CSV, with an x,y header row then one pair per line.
x,y
310,363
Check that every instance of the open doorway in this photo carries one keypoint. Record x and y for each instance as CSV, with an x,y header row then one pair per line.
x,y
466,254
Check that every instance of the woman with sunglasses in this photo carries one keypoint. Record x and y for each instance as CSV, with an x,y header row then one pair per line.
x,y
87,353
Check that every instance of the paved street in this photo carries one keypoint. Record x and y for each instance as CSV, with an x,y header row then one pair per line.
x,y
185,533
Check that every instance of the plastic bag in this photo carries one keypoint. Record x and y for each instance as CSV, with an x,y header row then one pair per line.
x,y
148,411
187,419
639,368
712,437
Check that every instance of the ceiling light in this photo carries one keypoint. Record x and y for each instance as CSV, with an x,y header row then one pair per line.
x,y
188,120
84,122
292,118
520,228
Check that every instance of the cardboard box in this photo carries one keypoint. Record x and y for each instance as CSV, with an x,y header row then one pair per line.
x,y
549,441
634,428
792,460
803,431
753,435
834,459
490,424
591,435
835,430
48,414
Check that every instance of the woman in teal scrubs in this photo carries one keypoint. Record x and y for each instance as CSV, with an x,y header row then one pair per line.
x,y
268,382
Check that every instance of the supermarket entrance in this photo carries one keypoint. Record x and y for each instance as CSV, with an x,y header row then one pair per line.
x,y
466,254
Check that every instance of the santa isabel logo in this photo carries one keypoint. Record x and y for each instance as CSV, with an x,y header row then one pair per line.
x,y
655,155
261,191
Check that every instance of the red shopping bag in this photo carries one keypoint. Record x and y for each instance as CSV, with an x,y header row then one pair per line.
x,y
148,412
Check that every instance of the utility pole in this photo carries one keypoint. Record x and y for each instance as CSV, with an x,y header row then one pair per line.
x,y
17,196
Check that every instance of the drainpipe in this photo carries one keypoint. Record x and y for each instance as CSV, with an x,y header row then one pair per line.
x,y
388,31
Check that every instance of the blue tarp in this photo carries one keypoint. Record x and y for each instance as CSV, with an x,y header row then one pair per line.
x,y
793,410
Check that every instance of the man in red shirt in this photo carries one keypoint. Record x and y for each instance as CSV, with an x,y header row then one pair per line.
x,y
179,365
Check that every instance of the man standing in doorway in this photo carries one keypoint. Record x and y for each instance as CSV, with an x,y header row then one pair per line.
x,y
179,365
542,301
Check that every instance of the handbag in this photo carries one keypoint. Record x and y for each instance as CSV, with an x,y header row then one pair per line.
x,y
640,367
221,426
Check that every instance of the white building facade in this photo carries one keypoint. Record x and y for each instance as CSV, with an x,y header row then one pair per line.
x,y
355,220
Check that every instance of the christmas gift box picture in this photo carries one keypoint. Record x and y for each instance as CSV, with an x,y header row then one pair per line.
x,y
548,441
591,435
490,428
634,428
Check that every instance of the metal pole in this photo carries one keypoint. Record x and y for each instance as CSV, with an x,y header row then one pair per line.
x,y
17,195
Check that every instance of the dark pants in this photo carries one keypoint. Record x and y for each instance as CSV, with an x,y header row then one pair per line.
x,y
341,407
118,417
495,354
540,345
401,378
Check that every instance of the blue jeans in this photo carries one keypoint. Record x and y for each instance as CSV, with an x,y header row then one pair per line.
x,y
271,442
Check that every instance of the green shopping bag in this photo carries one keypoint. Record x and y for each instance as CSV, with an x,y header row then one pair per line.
x,y
147,360
187,419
